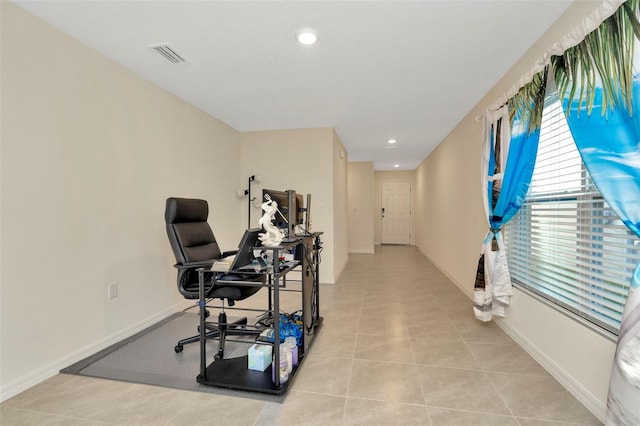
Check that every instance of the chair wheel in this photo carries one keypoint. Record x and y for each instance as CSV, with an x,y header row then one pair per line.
x,y
219,355
178,348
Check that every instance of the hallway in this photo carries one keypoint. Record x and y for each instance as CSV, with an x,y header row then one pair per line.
x,y
398,346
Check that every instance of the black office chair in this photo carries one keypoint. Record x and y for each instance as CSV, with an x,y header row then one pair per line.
x,y
194,247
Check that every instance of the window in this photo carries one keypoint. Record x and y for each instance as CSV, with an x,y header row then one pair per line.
x,y
566,244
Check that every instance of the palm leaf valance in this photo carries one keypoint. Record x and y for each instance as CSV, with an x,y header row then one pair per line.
x,y
605,54
529,101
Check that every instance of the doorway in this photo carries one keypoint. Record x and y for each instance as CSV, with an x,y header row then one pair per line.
x,y
395,212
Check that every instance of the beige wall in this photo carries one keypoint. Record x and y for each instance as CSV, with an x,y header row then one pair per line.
x,y
340,208
451,225
405,175
89,154
361,207
302,160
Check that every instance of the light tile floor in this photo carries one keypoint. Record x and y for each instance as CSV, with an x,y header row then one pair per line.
x,y
399,346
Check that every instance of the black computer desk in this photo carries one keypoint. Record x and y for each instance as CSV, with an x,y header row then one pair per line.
x,y
233,373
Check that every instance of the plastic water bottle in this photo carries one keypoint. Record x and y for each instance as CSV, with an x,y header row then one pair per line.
x,y
289,357
293,348
282,367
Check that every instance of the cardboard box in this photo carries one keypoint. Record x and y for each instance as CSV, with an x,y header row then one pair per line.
x,y
259,357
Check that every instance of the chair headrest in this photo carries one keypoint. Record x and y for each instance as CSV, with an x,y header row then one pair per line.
x,y
179,210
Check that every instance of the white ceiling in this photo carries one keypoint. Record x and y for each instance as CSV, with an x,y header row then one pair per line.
x,y
408,70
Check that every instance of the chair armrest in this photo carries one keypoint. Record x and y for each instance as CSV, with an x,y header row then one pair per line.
x,y
192,265
228,253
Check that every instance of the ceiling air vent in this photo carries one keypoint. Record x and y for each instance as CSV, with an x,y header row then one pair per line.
x,y
168,53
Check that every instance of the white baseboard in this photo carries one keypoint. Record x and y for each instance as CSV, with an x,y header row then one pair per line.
x,y
362,251
47,371
593,404
467,291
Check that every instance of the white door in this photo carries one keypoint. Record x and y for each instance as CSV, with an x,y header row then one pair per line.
x,y
395,212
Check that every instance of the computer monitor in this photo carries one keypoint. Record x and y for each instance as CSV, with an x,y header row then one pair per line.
x,y
282,199
307,213
245,257
300,209
291,209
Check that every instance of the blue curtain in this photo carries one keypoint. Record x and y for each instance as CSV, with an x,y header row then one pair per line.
x,y
509,158
609,144
521,160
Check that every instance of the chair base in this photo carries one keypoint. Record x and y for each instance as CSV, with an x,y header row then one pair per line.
x,y
233,328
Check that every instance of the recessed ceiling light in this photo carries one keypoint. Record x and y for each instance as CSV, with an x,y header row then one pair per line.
x,y
392,141
307,36
396,165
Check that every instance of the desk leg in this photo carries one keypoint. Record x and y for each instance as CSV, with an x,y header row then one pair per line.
x,y
316,279
270,290
276,319
203,328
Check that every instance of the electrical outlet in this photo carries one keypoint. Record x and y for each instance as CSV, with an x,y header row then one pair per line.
x,y
112,290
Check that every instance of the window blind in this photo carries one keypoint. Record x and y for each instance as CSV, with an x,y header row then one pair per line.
x,y
565,243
